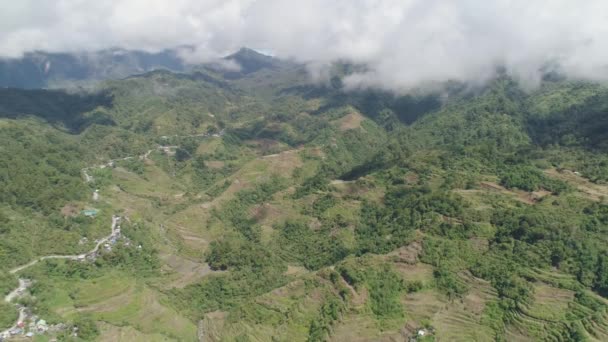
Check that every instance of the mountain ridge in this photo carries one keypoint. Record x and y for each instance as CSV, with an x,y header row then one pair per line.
x,y
59,70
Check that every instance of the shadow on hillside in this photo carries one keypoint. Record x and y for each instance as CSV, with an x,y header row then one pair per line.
x,y
371,103
57,107
307,91
584,124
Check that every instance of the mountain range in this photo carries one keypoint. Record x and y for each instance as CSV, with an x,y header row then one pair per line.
x,y
256,205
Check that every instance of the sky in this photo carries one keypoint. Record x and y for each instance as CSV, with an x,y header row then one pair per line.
x,y
403,43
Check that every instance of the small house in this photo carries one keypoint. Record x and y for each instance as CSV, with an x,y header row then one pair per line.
x,y
90,212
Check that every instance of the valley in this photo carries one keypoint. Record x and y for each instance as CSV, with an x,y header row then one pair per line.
x,y
258,207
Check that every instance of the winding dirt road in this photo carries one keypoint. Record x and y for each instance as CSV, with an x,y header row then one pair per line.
x,y
115,220
25,283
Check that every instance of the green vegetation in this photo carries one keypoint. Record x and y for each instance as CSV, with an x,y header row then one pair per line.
x,y
330,312
529,178
40,167
8,315
405,209
384,286
234,213
321,213
313,249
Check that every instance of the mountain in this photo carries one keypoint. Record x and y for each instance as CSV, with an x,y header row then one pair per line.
x,y
43,70
256,205
251,61
37,70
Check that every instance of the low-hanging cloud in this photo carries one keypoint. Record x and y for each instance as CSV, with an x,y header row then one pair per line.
x,y
403,43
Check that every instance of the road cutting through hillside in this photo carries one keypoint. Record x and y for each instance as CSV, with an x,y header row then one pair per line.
x,y
88,178
114,231
25,283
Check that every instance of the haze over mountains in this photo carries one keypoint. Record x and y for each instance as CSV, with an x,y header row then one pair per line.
x,y
42,70
64,70
403,44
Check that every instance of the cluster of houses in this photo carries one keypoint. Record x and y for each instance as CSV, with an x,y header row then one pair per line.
x,y
112,241
31,326
36,326
168,150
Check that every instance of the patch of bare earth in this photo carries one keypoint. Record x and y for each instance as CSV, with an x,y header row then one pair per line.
x,y
522,196
295,270
186,271
265,146
407,254
264,212
358,298
211,326
215,164
339,182
588,189
412,178
350,121
285,162
316,152
69,210
351,188
540,194
480,244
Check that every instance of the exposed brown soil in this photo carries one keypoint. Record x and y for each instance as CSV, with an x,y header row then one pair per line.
x,y
480,244
283,163
588,189
187,271
265,211
215,164
407,254
69,210
351,121
522,196
411,178
264,146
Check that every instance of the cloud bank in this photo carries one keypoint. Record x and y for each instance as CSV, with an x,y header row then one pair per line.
x,y
403,43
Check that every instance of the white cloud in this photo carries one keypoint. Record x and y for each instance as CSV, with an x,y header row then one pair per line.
x,y
405,43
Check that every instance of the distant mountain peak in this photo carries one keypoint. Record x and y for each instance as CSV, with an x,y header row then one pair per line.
x,y
246,52
250,61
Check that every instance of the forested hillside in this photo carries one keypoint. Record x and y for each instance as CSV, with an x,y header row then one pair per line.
x,y
258,206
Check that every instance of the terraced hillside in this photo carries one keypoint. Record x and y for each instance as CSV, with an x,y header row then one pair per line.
x,y
255,206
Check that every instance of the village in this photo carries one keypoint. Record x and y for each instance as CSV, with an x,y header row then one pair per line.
x,y
28,324
166,149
